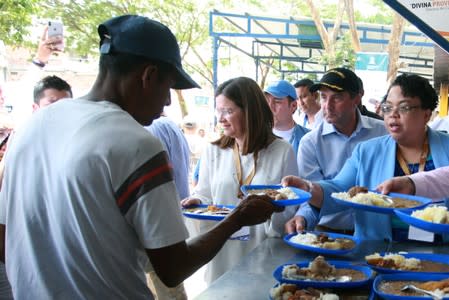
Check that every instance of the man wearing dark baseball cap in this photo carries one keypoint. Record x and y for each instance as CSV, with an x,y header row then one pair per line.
x,y
342,129
146,38
100,201
339,80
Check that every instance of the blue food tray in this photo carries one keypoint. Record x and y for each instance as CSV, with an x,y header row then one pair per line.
x,y
278,284
439,258
425,225
386,210
322,250
204,216
326,284
303,196
405,277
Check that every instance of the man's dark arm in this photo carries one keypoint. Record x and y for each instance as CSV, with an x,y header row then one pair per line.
x,y
173,264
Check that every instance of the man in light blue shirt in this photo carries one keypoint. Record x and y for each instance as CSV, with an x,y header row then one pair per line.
x,y
177,149
323,151
281,97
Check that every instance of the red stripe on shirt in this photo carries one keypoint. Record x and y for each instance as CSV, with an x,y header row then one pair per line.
x,y
141,180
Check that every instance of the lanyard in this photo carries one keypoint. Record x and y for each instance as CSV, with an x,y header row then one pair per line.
x,y
238,167
422,159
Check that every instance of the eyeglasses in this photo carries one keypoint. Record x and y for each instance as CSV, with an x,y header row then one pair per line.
x,y
223,112
401,109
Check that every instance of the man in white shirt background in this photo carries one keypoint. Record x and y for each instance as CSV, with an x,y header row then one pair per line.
x,y
309,114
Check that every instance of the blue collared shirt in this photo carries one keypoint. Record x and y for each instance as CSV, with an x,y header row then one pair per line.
x,y
303,120
296,137
321,155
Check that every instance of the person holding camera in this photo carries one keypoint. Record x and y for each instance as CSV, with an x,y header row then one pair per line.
x,y
46,91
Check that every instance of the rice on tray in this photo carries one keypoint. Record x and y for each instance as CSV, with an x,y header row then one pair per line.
x,y
434,214
369,198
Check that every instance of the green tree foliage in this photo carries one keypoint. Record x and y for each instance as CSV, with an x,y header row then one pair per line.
x,y
345,55
188,19
382,15
378,13
15,20
81,19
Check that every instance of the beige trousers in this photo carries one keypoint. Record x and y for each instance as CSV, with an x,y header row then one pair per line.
x,y
162,292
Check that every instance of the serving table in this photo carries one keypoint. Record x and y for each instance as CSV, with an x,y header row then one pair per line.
x,y
251,278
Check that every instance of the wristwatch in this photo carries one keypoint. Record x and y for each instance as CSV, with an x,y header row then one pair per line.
x,y
38,63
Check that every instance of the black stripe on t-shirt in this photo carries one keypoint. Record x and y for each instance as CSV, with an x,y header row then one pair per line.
x,y
155,172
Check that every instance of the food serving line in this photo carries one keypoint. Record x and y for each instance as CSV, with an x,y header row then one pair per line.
x,y
277,259
252,278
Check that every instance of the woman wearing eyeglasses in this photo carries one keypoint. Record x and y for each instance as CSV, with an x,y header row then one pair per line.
x,y
247,153
410,147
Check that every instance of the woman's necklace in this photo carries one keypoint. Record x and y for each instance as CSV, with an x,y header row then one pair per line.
x,y
422,159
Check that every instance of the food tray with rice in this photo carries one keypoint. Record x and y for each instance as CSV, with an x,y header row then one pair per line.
x,y
413,262
207,212
322,242
389,286
324,274
432,218
361,198
282,196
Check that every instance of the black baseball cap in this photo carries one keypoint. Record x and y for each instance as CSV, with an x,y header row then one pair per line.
x,y
144,37
339,80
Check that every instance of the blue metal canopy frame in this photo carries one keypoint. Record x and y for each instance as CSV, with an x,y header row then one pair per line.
x,y
282,40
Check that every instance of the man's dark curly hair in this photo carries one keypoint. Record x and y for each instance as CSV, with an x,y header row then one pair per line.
x,y
50,82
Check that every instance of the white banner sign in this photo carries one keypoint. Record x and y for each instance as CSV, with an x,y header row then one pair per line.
x,y
434,13
430,16
372,68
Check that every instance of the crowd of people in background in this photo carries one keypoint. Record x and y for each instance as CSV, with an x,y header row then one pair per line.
x,y
94,185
